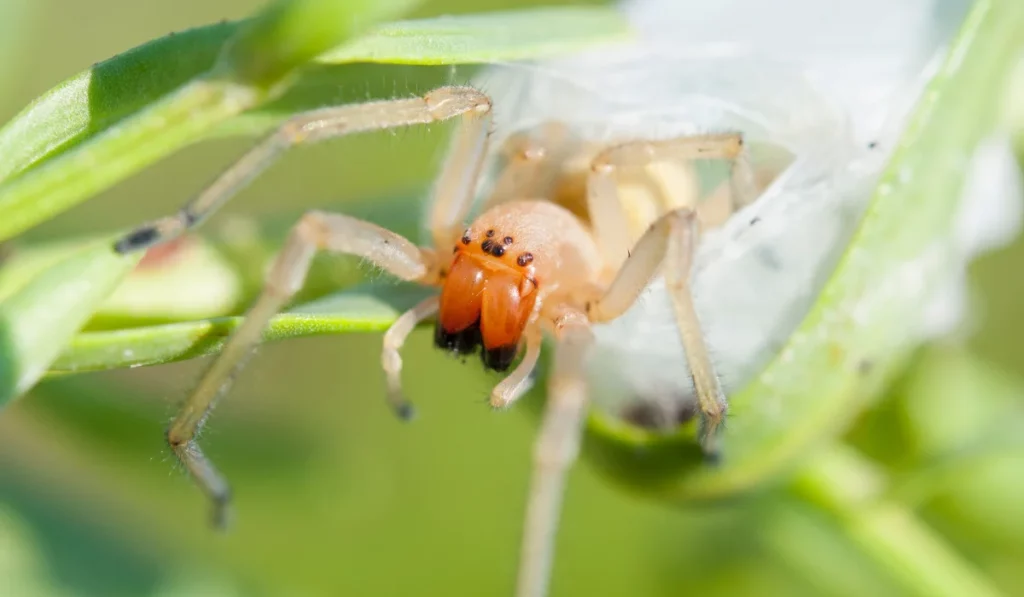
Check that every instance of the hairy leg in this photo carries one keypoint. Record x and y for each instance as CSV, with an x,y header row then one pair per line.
x,y
391,360
338,121
316,231
518,382
555,450
666,165
533,163
671,241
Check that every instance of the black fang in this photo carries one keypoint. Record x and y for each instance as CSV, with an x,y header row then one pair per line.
x,y
469,340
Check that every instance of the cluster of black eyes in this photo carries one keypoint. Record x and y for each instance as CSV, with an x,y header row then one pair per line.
x,y
498,249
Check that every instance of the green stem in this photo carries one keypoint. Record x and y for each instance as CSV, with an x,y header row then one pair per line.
x,y
849,488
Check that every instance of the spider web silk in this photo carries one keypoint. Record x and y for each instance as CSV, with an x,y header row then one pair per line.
x,y
832,83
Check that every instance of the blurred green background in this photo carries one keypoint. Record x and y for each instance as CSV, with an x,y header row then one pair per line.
x,y
334,496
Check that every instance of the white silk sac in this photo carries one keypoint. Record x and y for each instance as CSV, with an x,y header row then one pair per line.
x,y
832,83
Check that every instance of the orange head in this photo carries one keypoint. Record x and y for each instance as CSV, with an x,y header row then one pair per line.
x,y
486,300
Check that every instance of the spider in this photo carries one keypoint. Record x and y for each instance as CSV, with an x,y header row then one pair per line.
x,y
554,251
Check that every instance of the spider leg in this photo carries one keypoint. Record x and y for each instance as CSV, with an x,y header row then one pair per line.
x,y
665,163
518,382
555,450
337,121
533,163
391,360
671,241
316,231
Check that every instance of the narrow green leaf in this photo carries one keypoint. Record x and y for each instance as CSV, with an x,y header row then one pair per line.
x,y
184,280
138,141
92,101
178,282
169,122
483,38
38,319
365,309
128,112
290,33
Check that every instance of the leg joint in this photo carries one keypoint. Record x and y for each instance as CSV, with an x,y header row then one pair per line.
x,y
445,102
174,440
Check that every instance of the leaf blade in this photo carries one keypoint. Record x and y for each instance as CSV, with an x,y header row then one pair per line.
x,y
261,52
359,310
38,319
490,37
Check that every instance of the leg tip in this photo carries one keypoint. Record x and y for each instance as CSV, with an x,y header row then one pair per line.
x,y
140,238
712,457
220,518
498,402
405,411
712,451
709,432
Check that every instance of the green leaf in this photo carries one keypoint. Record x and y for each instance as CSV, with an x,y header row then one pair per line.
x,y
128,112
260,53
369,308
491,37
38,318
95,100
290,33
854,337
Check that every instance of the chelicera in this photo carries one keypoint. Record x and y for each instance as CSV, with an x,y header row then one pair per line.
x,y
488,294
554,251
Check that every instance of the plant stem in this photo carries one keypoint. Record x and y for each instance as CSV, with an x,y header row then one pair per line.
x,y
849,488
